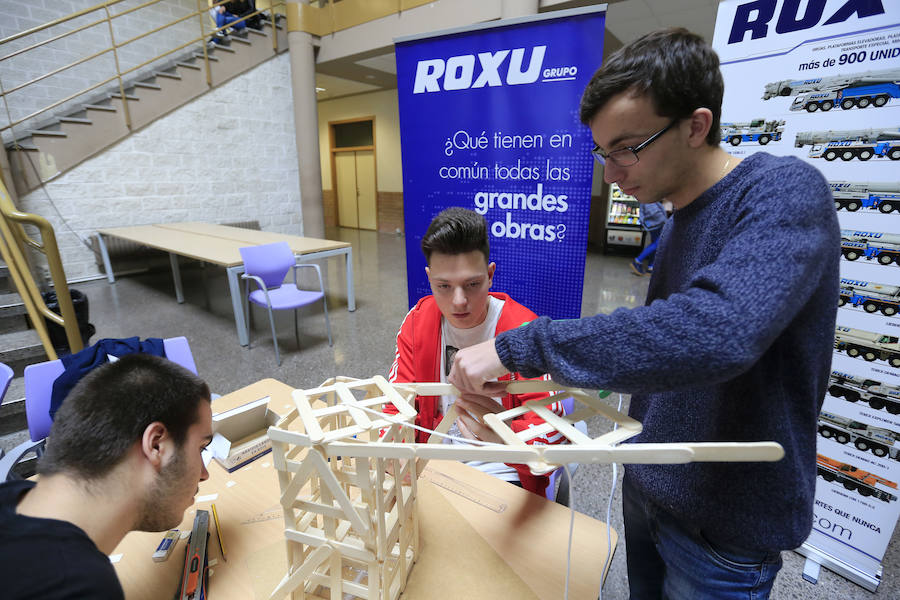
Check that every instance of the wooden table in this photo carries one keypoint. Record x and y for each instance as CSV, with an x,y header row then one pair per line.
x,y
220,245
480,537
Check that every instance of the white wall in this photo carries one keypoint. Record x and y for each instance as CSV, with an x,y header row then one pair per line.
x,y
383,105
229,155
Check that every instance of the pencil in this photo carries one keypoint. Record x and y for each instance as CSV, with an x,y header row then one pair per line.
x,y
219,532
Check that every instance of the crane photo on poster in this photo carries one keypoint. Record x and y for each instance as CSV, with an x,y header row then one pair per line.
x,y
880,441
758,130
869,296
868,345
868,89
876,394
851,477
861,144
879,246
852,196
824,75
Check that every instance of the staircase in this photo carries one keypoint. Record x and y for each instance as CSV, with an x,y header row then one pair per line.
x,y
19,347
41,154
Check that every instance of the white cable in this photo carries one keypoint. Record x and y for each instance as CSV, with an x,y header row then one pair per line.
x,y
571,491
612,492
426,430
571,527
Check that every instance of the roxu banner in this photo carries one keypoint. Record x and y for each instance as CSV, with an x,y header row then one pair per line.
x,y
489,121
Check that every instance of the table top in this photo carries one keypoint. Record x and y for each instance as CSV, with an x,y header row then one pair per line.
x,y
216,244
479,537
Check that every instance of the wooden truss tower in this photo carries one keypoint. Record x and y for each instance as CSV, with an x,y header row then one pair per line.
x,y
347,473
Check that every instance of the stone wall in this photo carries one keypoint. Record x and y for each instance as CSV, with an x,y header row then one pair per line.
x,y
229,155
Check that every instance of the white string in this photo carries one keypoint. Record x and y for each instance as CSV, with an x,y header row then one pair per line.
x,y
426,430
612,492
571,527
571,491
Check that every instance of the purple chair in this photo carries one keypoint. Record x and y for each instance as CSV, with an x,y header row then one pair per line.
x,y
39,380
6,375
268,265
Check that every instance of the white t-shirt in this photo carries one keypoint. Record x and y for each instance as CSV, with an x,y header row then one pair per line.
x,y
453,339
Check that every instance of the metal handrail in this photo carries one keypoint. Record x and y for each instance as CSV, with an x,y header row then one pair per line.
x,y
59,69
59,21
48,40
13,240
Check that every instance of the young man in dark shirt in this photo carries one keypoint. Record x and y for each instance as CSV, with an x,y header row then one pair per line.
x,y
734,341
123,455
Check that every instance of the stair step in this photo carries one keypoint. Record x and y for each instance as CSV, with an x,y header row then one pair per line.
x,y
257,32
75,120
12,439
188,65
244,41
21,346
99,107
149,86
209,56
127,96
77,114
15,392
167,74
12,324
11,305
48,133
22,146
224,49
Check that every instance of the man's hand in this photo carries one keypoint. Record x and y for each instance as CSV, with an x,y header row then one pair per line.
x,y
474,368
471,409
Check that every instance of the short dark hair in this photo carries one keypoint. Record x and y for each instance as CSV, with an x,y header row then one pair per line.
x,y
456,230
111,407
676,68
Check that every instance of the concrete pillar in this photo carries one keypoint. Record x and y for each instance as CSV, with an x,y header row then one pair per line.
x,y
518,8
306,122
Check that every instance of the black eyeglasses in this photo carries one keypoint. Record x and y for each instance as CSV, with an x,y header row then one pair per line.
x,y
625,157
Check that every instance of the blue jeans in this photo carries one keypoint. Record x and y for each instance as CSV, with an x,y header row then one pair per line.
x,y
649,252
226,18
668,560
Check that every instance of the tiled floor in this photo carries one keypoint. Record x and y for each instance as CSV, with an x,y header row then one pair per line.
x,y
144,305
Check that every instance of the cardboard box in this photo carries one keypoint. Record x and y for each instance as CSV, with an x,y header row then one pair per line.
x,y
239,434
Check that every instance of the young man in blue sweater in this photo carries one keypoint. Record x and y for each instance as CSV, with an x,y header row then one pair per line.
x,y
733,344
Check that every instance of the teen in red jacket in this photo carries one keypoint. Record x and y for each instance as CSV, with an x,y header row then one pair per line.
x,y
458,313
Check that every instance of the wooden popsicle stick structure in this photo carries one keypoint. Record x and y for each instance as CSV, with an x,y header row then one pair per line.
x,y
347,473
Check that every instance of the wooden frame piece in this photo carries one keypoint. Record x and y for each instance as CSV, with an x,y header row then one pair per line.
x,y
347,473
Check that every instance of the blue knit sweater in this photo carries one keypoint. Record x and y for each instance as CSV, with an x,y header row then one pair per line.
x,y
734,343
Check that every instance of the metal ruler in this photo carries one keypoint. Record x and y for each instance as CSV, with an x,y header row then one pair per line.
x,y
193,577
269,514
465,490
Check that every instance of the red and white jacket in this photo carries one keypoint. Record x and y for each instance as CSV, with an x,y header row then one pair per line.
x,y
418,359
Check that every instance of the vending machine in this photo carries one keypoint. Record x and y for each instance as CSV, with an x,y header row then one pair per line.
x,y
623,222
